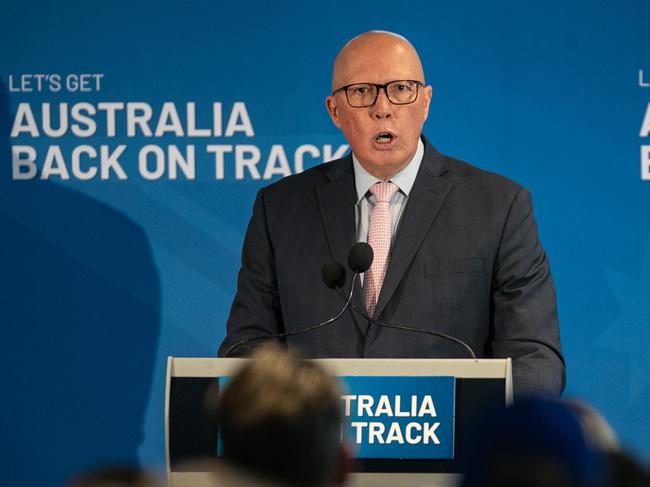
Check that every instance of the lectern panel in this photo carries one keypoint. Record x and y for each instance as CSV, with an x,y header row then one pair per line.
x,y
192,432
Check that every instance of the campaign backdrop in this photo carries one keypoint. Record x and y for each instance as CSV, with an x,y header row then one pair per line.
x,y
134,136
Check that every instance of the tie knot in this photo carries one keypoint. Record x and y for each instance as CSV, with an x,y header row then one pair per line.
x,y
383,191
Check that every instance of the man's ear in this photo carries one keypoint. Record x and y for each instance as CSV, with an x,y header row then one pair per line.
x,y
333,110
427,91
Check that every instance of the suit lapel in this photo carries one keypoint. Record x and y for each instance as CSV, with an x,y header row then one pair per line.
x,y
336,200
425,200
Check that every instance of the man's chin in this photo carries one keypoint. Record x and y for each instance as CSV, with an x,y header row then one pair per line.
x,y
387,168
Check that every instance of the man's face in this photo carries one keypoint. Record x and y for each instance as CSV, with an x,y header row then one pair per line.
x,y
384,137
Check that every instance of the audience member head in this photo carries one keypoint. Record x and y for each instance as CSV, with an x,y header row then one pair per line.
x,y
111,476
534,443
621,468
280,418
597,431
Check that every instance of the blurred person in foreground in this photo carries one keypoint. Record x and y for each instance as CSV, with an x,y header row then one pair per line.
x,y
534,443
623,468
597,431
114,476
280,423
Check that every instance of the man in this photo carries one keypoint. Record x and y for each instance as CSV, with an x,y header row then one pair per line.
x,y
456,248
280,424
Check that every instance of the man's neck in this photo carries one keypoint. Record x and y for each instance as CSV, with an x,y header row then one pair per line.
x,y
404,178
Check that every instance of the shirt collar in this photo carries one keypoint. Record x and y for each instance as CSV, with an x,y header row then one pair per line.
x,y
403,179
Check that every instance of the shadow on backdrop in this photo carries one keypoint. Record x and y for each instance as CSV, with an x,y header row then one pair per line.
x,y
80,320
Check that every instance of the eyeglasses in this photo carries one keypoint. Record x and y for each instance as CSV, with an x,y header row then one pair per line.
x,y
362,95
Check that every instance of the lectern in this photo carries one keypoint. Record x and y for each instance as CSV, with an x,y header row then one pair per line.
x,y
408,418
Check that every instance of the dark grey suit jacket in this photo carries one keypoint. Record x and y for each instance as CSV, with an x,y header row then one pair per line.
x,y
466,261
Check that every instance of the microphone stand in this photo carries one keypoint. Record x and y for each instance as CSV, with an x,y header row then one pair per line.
x,y
348,302
411,329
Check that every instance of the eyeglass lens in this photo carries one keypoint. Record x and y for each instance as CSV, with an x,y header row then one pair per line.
x,y
398,92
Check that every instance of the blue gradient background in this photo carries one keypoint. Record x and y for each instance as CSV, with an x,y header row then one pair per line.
x,y
102,280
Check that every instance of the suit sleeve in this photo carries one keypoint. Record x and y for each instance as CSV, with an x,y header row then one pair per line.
x,y
255,310
524,309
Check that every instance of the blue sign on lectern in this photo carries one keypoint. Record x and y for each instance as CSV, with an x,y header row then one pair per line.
x,y
400,417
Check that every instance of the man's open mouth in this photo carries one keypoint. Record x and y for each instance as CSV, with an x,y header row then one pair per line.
x,y
384,138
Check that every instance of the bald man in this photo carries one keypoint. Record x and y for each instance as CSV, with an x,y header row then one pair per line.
x,y
456,248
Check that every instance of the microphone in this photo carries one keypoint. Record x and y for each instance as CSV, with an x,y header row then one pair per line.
x,y
360,257
333,275
359,260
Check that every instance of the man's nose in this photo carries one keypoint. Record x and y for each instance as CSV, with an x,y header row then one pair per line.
x,y
382,108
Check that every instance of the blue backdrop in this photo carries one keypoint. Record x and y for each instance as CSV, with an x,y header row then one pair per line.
x,y
194,105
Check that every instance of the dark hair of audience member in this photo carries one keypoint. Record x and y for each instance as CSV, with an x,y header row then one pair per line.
x,y
621,468
114,476
597,431
280,418
625,471
534,443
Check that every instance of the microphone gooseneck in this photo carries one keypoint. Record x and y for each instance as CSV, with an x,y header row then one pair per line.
x,y
333,273
359,260
411,329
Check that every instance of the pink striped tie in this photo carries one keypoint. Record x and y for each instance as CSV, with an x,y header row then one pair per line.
x,y
379,237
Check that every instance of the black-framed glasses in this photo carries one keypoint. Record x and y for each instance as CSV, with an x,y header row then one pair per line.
x,y
399,92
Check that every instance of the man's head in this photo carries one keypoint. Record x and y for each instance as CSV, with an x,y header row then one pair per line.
x,y
280,418
383,136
